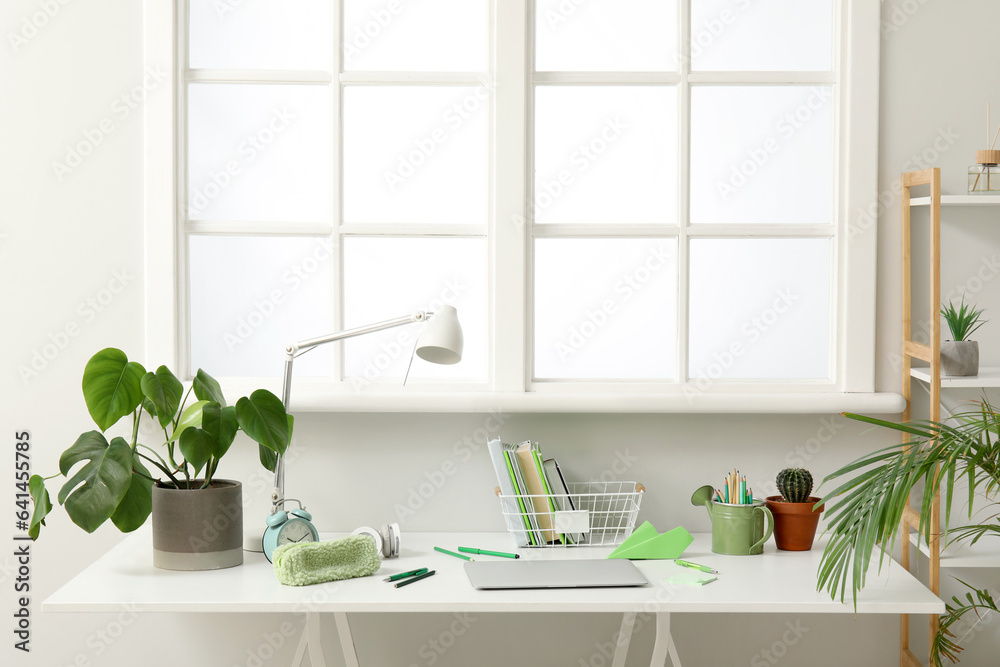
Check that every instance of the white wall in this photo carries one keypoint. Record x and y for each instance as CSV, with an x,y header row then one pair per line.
x,y
62,242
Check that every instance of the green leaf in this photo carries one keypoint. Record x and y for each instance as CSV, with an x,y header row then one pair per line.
x,y
40,498
136,505
268,457
105,478
221,424
165,391
197,447
111,386
191,417
263,418
207,388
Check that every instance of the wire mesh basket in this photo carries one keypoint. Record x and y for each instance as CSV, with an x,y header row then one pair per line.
x,y
592,514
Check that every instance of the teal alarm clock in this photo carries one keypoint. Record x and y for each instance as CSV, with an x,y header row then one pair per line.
x,y
290,527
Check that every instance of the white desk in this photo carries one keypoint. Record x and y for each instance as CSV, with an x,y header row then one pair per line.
x,y
776,582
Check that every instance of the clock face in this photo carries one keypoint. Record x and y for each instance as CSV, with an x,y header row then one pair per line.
x,y
295,531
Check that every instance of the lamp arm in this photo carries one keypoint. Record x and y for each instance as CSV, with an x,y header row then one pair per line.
x,y
294,350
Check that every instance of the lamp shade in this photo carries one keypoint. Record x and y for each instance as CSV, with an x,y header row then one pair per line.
x,y
441,341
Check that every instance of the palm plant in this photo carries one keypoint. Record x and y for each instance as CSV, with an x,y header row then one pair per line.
x,y
868,506
962,321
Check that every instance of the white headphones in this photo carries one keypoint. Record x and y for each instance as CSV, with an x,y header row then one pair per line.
x,y
386,538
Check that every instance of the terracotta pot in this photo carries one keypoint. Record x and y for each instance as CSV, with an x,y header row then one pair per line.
x,y
794,523
198,529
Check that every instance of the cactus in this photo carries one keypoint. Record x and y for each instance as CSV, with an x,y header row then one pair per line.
x,y
795,485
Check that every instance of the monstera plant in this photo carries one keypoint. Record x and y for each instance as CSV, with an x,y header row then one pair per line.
x,y
868,504
117,476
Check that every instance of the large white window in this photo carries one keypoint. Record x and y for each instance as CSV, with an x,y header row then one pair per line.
x,y
649,197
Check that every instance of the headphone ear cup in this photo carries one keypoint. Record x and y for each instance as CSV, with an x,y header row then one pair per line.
x,y
392,537
367,530
277,518
387,543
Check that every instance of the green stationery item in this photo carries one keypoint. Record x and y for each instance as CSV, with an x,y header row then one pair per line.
x,y
416,578
404,575
520,501
501,554
300,564
451,553
645,543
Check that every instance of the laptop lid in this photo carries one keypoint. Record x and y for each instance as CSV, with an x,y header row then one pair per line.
x,y
487,575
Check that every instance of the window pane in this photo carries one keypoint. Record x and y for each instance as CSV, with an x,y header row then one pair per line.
x,y
415,154
405,35
762,154
759,308
386,278
606,35
738,35
605,154
260,34
605,308
259,152
251,296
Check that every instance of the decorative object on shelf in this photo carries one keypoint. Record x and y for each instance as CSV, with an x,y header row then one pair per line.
x,y
796,514
961,356
441,342
984,175
870,503
197,522
737,530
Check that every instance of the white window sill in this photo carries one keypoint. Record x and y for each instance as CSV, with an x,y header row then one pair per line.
x,y
395,399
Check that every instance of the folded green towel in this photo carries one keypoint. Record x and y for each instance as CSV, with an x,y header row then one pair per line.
x,y
317,562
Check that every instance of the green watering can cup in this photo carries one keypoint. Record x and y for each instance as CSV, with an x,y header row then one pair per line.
x,y
737,530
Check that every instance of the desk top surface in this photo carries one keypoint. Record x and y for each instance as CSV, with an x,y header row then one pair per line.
x,y
776,582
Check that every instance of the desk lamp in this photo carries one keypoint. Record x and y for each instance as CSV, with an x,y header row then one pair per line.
x,y
440,342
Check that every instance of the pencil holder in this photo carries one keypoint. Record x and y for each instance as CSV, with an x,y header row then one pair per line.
x,y
738,530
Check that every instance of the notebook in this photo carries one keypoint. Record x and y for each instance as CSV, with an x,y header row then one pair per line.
x,y
486,575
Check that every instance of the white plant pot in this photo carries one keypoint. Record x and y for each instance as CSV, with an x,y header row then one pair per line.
x,y
960,358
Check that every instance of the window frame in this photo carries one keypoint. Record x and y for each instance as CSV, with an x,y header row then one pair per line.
x,y
510,384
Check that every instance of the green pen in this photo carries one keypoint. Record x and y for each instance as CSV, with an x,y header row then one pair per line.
x,y
695,566
501,554
452,553
404,575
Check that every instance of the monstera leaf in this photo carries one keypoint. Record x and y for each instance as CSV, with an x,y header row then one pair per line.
x,y
111,386
137,503
40,499
102,482
164,391
207,388
263,418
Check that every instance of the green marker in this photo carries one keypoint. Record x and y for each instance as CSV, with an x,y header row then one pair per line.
x,y
404,575
501,554
452,553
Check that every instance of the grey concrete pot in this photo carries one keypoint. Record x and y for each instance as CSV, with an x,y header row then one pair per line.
x,y
198,529
960,357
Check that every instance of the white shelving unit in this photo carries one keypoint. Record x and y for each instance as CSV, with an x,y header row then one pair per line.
x,y
988,377
986,553
959,200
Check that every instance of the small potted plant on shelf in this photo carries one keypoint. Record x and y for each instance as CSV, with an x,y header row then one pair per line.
x,y
197,517
961,355
795,512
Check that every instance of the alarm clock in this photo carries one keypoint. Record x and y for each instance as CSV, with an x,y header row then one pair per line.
x,y
290,527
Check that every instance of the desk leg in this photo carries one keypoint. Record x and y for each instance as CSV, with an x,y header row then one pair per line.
x,y
624,639
312,639
346,640
664,643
